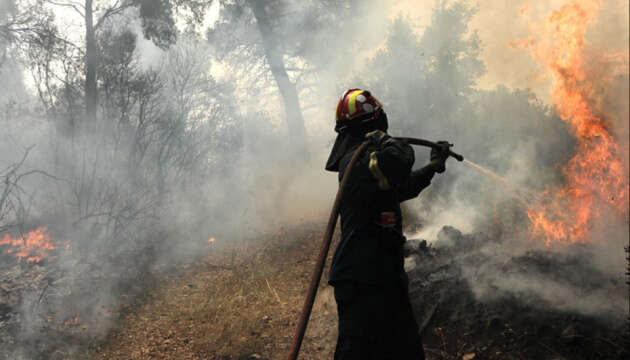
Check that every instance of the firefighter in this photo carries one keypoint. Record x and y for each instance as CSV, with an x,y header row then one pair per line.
x,y
370,284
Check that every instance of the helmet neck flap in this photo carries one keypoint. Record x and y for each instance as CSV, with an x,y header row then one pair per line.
x,y
352,134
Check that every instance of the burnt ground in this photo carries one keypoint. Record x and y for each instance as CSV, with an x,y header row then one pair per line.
x,y
243,303
515,325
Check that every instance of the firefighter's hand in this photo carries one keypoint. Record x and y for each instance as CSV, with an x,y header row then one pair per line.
x,y
377,137
439,156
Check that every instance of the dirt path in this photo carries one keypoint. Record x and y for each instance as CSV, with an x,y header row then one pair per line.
x,y
242,303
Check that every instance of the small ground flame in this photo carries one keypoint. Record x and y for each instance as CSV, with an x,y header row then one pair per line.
x,y
212,240
73,321
32,246
595,177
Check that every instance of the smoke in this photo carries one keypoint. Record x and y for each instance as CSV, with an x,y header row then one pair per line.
x,y
527,143
182,155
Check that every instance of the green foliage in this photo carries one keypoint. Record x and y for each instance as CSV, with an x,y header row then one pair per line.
x,y
425,79
158,22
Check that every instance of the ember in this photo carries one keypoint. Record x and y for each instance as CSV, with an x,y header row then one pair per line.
x,y
73,321
595,177
32,246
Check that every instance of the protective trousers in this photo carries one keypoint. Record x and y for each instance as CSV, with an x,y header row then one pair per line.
x,y
376,323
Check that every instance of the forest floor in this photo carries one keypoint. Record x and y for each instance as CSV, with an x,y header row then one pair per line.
x,y
241,303
244,303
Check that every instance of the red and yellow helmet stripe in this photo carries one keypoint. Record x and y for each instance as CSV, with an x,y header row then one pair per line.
x,y
356,103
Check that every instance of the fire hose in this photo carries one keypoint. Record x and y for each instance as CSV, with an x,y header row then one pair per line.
x,y
325,246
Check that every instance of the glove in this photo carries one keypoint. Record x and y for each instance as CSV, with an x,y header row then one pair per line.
x,y
377,137
439,156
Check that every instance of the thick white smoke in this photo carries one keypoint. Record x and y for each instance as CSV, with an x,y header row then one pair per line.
x,y
442,69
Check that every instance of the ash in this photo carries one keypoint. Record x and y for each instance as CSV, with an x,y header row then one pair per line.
x,y
470,300
57,310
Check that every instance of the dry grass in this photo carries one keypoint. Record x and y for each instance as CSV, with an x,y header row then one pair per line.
x,y
250,307
244,303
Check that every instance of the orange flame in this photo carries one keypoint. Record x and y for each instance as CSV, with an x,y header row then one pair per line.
x,y
33,245
524,9
595,175
212,240
73,321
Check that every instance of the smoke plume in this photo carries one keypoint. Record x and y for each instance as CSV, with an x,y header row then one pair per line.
x,y
191,141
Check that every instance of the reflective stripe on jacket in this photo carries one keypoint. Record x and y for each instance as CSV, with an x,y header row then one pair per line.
x,y
382,178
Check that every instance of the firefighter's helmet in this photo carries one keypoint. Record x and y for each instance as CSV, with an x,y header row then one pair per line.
x,y
356,107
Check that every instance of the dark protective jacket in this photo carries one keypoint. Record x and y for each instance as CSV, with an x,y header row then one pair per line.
x,y
370,250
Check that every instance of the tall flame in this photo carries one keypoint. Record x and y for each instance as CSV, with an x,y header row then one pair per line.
x,y
594,177
33,246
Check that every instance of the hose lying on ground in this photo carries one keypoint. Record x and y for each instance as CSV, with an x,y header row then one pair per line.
x,y
325,246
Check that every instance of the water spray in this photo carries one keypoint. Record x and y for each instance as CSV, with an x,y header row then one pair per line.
x,y
524,195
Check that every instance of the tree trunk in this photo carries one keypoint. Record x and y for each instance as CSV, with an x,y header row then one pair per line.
x,y
91,58
288,91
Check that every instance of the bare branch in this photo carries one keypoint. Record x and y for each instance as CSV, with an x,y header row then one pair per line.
x,y
70,4
115,9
